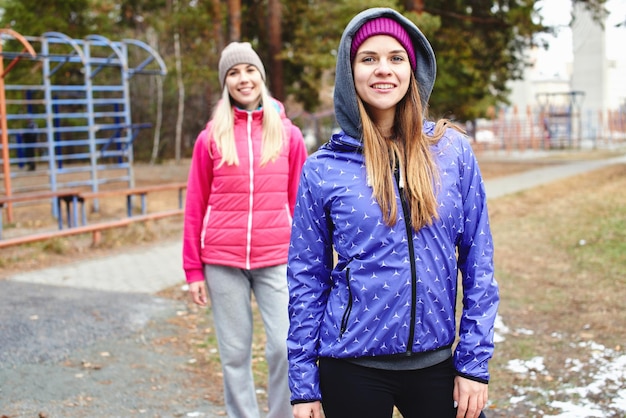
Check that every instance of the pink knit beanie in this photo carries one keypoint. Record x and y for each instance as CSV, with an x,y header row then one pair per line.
x,y
383,26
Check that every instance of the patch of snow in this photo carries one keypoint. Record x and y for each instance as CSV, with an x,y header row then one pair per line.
x,y
531,367
605,378
619,402
574,365
575,411
500,330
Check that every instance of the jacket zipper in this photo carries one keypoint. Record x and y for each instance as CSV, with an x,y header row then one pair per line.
x,y
409,232
346,314
251,199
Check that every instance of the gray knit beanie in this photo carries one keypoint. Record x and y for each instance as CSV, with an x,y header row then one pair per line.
x,y
238,53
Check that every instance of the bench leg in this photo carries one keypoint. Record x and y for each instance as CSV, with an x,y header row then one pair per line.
x,y
68,213
96,237
59,213
129,205
83,213
74,211
144,208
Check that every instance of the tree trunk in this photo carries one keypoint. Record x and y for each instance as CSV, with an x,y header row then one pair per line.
x,y
275,46
234,17
217,25
159,121
178,137
181,97
415,6
156,142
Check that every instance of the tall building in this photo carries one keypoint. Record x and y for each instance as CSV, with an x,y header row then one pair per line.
x,y
590,67
582,77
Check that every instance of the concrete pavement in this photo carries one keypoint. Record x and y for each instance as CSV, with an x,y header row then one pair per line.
x,y
526,180
156,267
148,269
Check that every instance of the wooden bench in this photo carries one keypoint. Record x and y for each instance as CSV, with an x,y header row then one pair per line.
x,y
75,197
142,192
69,196
95,229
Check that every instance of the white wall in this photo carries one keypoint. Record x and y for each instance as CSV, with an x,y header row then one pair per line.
x,y
590,68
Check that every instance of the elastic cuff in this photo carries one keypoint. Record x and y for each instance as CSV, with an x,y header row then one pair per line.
x,y
474,378
297,401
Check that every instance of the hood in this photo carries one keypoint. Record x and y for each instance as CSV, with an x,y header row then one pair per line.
x,y
342,142
346,108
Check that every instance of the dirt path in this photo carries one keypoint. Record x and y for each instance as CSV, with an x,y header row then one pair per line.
x,y
83,353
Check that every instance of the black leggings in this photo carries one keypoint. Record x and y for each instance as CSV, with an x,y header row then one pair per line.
x,y
350,390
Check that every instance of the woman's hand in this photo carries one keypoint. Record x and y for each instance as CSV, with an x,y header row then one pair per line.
x,y
198,293
307,410
470,396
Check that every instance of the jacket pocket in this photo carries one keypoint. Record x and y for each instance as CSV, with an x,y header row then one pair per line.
x,y
346,315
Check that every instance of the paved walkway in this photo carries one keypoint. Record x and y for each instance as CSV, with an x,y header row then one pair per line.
x,y
157,267
145,270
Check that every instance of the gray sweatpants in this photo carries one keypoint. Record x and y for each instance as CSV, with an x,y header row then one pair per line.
x,y
230,290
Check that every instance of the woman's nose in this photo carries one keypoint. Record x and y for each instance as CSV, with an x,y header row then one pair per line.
x,y
383,67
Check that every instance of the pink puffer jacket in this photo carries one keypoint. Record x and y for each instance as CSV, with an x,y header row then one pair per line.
x,y
240,216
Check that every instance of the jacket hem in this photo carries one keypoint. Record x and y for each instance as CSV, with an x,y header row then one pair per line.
x,y
242,265
405,361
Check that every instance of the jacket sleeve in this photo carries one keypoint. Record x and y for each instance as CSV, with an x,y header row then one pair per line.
x,y
308,275
297,156
480,289
198,191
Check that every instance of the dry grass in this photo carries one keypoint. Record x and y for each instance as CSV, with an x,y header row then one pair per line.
x,y
561,263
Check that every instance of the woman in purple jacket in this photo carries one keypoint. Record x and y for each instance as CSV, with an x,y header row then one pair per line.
x,y
390,212
241,195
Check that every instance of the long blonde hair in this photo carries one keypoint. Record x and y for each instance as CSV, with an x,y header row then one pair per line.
x,y
407,151
273,137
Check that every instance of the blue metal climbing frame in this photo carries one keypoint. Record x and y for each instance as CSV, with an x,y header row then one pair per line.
x,y
79,100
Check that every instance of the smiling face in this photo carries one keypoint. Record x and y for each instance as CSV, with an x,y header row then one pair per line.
x,y
382,73
244,83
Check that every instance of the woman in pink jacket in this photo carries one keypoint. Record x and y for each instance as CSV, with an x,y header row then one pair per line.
x,y
241,194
